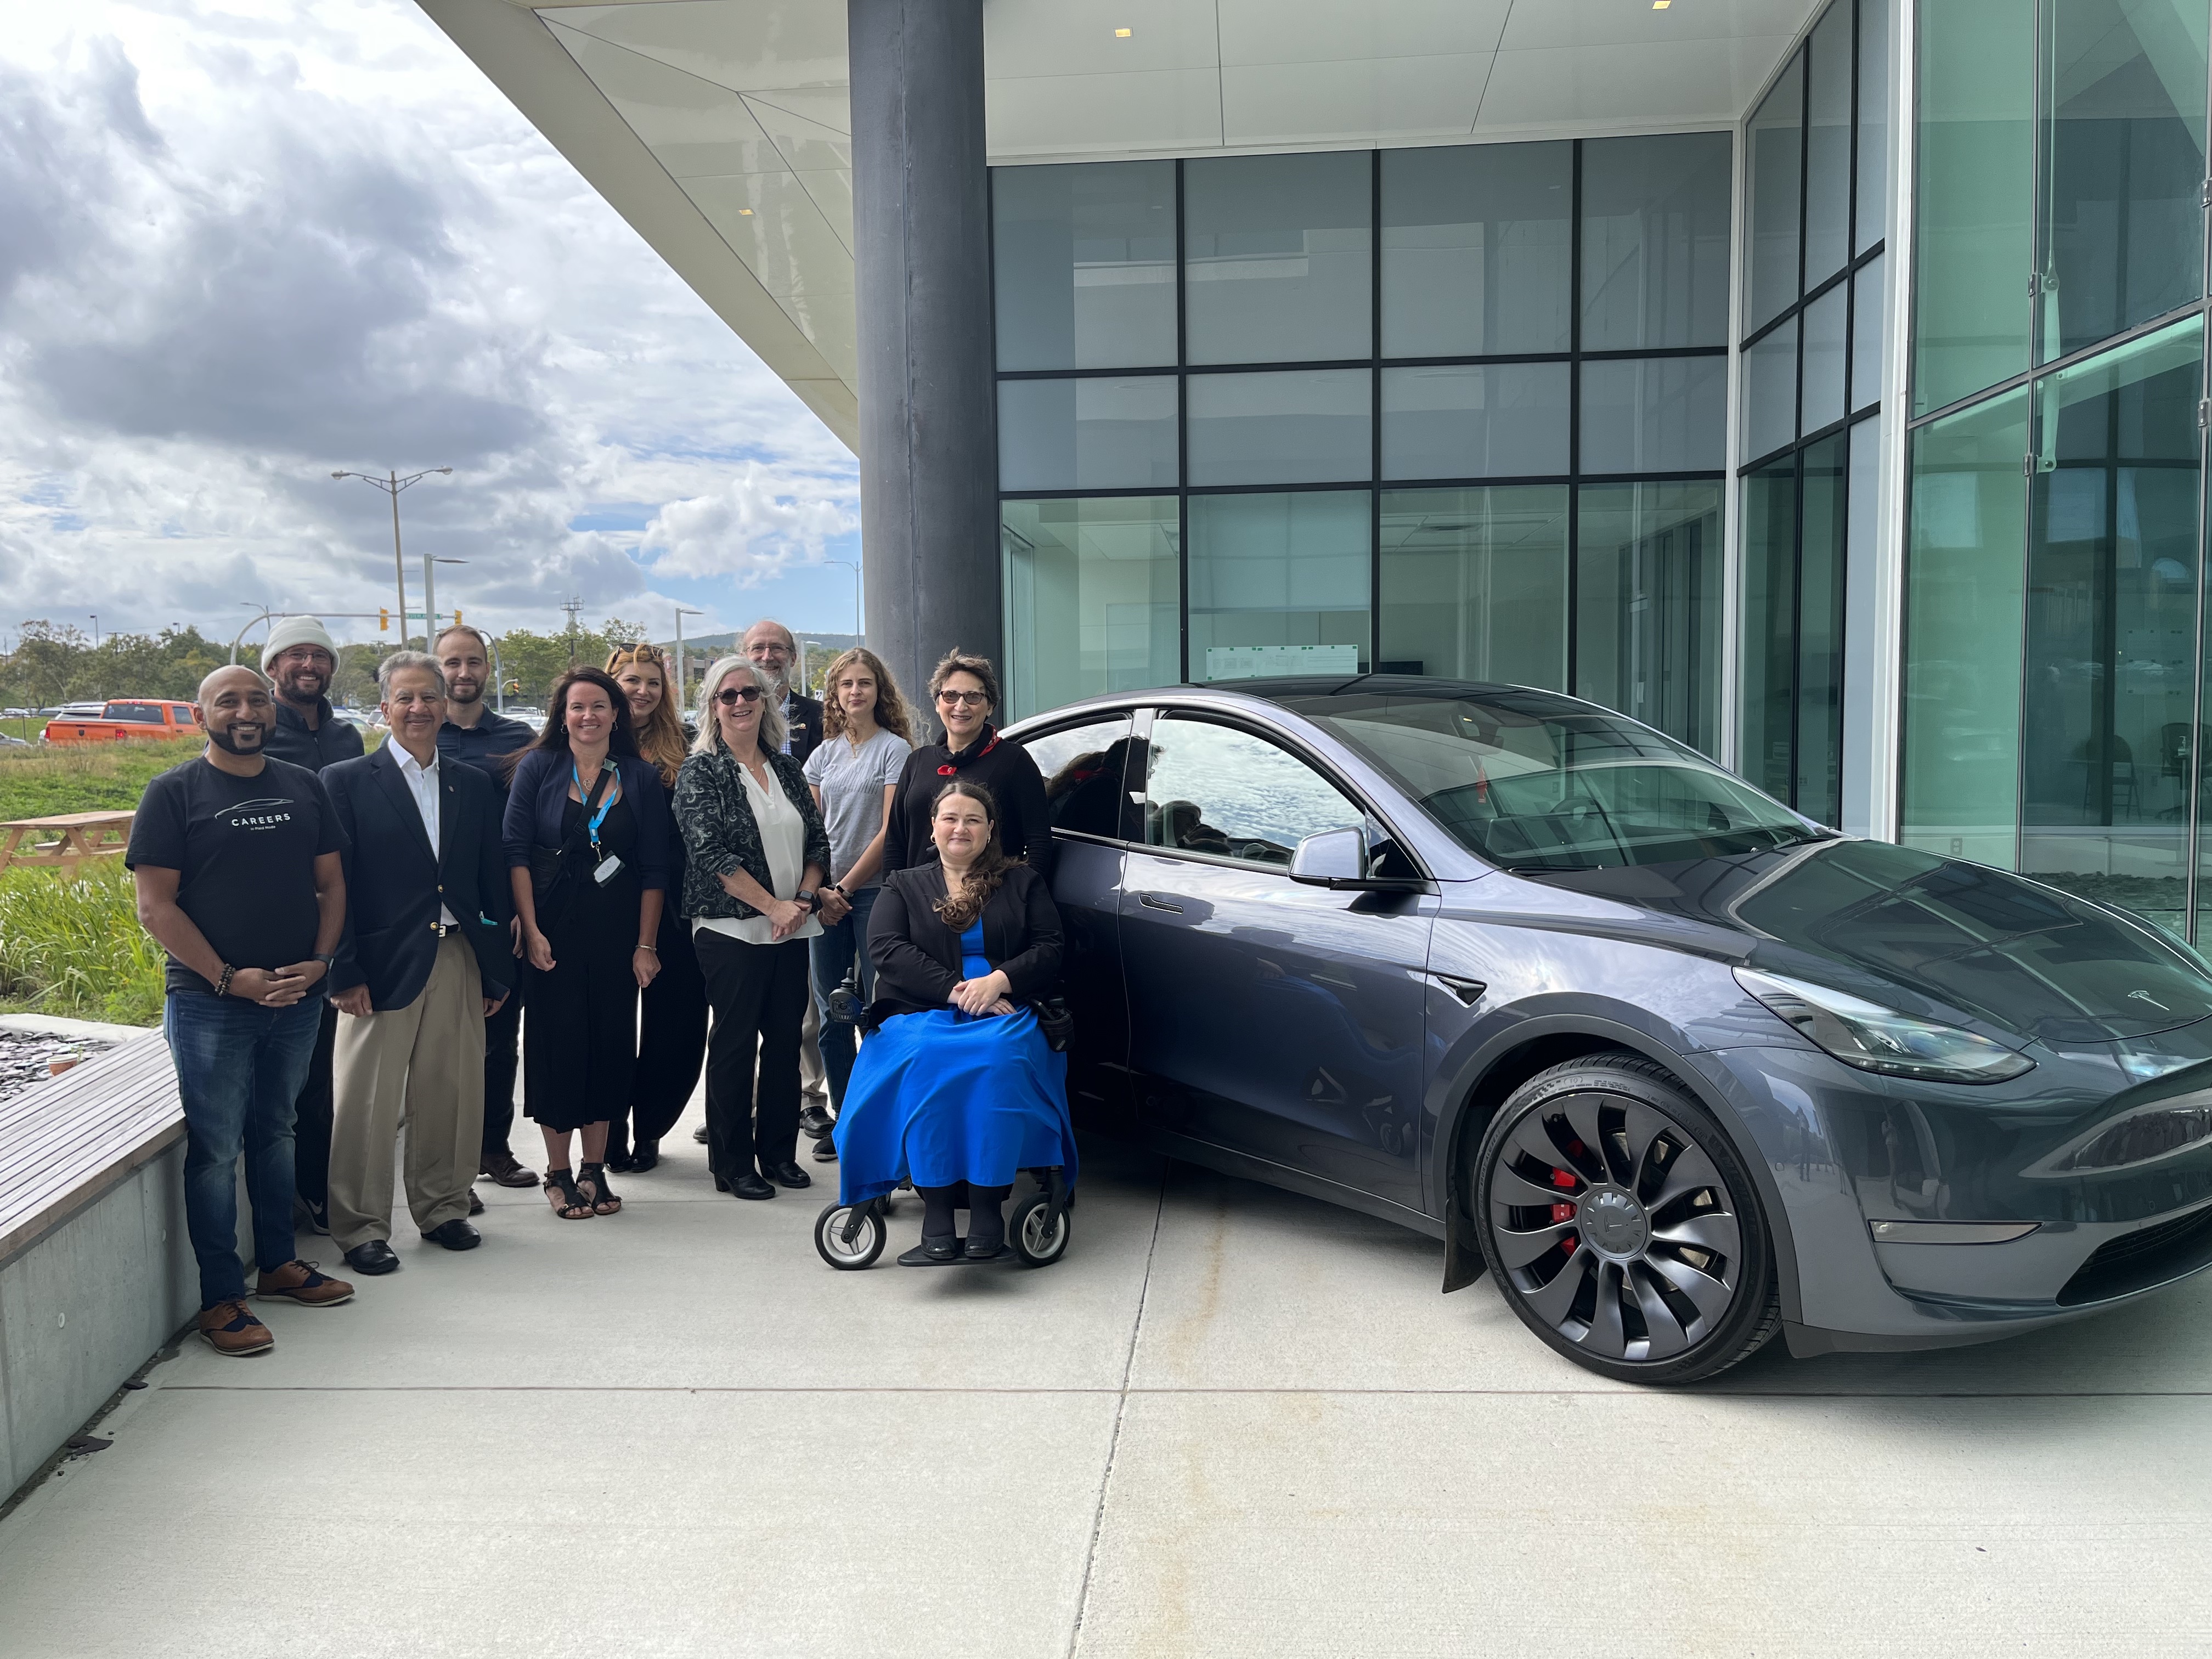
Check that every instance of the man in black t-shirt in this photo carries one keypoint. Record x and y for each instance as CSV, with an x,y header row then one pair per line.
x,y
239,876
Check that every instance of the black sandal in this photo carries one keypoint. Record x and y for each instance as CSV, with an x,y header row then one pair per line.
x,y
572,1206
594,1175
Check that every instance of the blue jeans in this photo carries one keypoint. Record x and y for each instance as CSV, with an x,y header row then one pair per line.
x,y
239,1069
833,955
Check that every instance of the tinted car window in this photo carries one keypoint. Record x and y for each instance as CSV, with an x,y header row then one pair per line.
x,y
1534,785
144,714
1082,767
1218,790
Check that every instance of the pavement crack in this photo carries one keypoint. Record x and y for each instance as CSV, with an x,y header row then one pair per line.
x,y
1121,1411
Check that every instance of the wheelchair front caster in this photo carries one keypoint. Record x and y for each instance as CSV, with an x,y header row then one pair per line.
x,y
1037,1240
850,1237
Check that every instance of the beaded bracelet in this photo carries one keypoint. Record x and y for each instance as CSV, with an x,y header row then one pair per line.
x,y
222,985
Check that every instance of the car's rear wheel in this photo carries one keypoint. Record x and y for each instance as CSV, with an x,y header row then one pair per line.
x,y
1621,1225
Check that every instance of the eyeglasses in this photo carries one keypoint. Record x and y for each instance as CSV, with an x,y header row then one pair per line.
x,y
969,699
729,696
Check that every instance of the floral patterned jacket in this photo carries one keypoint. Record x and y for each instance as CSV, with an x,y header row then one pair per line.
x,y
719,836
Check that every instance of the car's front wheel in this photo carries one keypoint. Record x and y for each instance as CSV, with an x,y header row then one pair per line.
x,y
1622,1226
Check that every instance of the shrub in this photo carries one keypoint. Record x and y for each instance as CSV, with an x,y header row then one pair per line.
x,y
72,946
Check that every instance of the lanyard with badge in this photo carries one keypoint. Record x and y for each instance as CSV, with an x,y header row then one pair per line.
x,y
608,864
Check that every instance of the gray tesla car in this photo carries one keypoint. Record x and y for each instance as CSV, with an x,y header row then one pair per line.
x,y
1679,1067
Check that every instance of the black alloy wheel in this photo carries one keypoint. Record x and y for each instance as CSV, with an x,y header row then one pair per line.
x,y
1619,1221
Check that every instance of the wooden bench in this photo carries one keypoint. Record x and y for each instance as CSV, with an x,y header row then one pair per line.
x,y
65,1141
62,841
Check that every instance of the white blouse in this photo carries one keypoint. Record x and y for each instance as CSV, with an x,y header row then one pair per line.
x,y
783,838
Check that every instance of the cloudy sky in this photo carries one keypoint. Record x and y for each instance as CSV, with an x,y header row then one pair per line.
x,y
248,242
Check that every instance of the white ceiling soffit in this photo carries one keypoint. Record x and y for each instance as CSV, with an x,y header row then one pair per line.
x,y
720,128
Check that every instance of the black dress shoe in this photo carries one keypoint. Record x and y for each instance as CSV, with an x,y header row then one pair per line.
x,y
815,1120
374,1257
454,1235
825,1150
476,1203
787,1174
986,1249
646,1155
933,1252
620,1163
699,1134
749,1185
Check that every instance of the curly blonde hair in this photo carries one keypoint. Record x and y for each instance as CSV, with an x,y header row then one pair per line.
x,y
892,713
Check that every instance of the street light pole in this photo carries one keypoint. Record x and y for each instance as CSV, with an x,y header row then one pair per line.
x,y
681,611
430,598
391,483
853,565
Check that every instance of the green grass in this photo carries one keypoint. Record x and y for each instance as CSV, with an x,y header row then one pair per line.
x,y
91,777
73,946
28,730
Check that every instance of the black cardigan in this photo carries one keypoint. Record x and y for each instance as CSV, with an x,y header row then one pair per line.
x,y
1003,768
917,957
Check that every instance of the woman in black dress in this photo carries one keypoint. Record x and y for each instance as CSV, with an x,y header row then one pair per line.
x,y
965,690
586,838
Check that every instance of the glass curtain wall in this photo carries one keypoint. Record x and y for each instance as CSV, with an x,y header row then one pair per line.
x,y
1816,172
2055,609
1456,411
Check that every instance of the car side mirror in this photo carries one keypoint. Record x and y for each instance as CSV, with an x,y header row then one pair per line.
x,y
1337,859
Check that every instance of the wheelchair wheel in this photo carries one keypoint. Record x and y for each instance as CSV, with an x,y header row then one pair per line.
x,y
866,1244
1037,1244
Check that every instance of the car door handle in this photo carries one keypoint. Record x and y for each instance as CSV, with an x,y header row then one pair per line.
x,y
1154,901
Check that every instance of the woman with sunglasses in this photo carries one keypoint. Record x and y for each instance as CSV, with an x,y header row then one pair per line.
x,y
965,690
755,851
586,837
672,1025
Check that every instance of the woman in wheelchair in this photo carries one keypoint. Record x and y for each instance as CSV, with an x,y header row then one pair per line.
x,y
957,1083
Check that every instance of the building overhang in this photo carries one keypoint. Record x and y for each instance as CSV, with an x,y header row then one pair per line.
x,y
720,128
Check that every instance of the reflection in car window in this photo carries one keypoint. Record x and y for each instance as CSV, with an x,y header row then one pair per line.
x,y
145,714
1082,767
1535,784
1215,789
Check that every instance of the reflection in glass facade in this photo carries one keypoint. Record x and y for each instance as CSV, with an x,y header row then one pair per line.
x,y
1811,400
1091,597
2055,575
1408,427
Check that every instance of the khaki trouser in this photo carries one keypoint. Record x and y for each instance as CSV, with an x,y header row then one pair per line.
x,y
813,1075
422,1065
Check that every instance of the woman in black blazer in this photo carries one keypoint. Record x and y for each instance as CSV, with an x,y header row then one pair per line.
x,y
587,839
957,1084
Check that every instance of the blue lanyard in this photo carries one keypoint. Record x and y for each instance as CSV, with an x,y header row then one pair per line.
x,y
606,802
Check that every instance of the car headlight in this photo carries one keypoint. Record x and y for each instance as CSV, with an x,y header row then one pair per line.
x,y
1878,1039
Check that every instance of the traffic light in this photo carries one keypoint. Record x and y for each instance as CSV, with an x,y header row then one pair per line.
x,y
384,620
457,616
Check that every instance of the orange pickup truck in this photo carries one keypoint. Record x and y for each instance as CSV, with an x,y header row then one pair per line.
x,y
129,717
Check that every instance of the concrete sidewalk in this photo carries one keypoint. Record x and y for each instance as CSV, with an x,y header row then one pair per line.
x,y
1231,1421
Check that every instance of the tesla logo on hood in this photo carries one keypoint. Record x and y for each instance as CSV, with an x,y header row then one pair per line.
x,y
2145,996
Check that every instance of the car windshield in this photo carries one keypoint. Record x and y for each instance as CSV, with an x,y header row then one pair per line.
x,y
1534,783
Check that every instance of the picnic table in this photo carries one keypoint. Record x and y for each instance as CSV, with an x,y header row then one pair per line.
x,y
62,841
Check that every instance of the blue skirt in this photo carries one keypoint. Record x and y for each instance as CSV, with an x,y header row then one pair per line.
x,y
938,1097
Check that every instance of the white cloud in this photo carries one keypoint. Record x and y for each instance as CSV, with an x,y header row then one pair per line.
x,y
759,524
241,245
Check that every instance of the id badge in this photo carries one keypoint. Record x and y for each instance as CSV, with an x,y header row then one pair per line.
x,y
609,867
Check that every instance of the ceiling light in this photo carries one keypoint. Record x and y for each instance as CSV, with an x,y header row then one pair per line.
x,y
1123,35
1660,5
744,213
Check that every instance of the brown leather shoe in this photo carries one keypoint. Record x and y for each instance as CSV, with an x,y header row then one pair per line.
x,y
505,1169
230,1330
298,1281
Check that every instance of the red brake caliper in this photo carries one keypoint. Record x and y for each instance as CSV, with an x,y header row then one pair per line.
x,y
1566,1180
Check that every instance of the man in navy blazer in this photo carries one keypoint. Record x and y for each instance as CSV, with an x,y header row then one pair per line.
x,y
424,960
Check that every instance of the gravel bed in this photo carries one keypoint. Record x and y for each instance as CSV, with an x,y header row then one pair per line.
x,y
24,1060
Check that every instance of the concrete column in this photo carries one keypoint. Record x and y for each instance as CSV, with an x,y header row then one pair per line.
x,y
921,243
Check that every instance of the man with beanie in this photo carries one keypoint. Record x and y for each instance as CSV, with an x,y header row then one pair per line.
x,y
300,660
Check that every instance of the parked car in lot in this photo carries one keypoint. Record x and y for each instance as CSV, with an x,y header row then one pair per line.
x,y
1677,1067
124,718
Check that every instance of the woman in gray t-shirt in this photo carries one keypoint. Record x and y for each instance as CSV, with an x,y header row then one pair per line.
x,y
865,738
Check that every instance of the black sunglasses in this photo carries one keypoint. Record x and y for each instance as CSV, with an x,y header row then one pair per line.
x,y
729,696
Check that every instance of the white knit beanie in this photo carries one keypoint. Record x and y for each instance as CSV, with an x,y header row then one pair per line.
x,y
296,630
